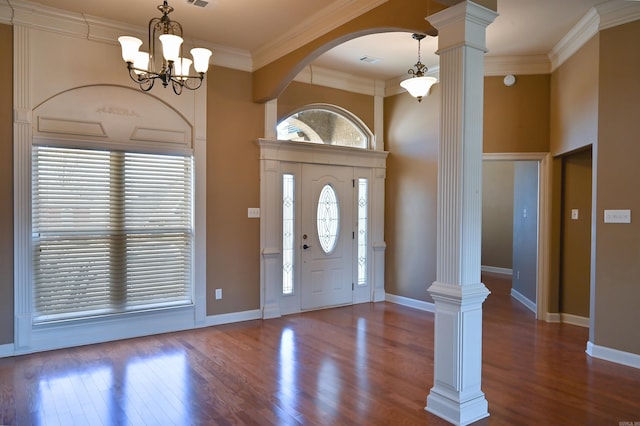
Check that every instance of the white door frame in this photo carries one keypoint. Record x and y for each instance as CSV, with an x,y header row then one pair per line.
x,y
275,157
544,222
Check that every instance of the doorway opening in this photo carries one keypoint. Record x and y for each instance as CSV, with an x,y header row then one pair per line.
x,y
516,220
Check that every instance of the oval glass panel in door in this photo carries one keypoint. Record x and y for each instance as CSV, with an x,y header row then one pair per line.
x,y
328,218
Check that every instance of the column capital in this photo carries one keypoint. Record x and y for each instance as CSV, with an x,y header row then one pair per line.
x,y
462,24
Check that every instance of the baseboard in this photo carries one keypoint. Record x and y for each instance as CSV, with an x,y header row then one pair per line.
x,y
411,303
7,350
525,301
552,317
497,270
232,317
613,355
575,320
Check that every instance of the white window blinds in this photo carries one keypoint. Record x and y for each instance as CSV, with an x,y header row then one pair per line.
x,y
112,232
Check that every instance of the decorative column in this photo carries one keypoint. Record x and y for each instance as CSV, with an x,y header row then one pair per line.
x,y
22,137
456,395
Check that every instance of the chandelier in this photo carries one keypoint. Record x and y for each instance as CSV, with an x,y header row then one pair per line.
x,y
170,67
418,85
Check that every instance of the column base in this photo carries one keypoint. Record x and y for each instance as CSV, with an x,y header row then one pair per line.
x,y
456,412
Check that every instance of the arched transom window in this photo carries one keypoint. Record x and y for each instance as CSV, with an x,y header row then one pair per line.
x,y
327,124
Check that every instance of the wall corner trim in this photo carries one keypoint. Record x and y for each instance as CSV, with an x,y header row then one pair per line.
x,y
411,303
232,317
613,355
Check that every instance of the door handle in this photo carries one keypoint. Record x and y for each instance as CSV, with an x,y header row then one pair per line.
x,y
305,247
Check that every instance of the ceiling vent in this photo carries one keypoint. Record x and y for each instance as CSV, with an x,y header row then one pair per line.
x,y
199,3
370,59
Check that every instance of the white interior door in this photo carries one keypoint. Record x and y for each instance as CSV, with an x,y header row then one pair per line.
x,y
327,228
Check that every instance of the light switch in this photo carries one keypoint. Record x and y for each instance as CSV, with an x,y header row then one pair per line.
x,y
253,212
617,216
574,214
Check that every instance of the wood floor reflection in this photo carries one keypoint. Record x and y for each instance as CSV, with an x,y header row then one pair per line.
x,y
366,364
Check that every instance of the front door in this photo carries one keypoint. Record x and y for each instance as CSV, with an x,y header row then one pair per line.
x,y
328,232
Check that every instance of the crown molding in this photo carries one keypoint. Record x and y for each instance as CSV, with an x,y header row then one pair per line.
x,y
615,13
598,18
329,18
503,65
6,13
582,32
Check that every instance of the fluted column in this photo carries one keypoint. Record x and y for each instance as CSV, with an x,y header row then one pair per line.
x,y
458,293
22,135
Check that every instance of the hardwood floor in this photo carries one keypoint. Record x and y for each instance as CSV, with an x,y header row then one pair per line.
x,y
366,364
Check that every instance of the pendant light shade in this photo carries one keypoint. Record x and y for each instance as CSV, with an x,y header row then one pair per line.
x,y
418,85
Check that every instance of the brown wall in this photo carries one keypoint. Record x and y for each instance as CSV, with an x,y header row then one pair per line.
x,y
6,186
575,269
516,118
617,269
234,123
574,100
299,94
411,135
497,213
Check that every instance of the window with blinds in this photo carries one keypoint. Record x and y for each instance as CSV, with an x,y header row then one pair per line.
x,y
112,232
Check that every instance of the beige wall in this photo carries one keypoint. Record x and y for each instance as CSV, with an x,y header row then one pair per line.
x,y
617,267
234,123
497,213
299,94
6,186
516,120
411,136
574,101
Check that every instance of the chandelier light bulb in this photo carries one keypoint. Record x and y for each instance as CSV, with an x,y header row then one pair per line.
x,y
201,59
170,46
130,46
168,65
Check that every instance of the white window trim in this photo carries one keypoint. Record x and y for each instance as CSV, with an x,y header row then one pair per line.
x,y
28,338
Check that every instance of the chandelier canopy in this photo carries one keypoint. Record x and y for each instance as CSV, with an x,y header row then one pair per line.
x,y
418,84
170,66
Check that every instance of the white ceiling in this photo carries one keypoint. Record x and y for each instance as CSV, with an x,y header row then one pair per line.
x,y
523,28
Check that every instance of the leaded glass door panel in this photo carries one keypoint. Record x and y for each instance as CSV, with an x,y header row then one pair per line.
x,y
327,236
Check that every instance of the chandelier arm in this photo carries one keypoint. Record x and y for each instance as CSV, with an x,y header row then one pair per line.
x,y
176,86
193,82
147,84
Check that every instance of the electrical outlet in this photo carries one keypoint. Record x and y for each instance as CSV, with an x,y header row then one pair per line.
x,y
253,212
218,293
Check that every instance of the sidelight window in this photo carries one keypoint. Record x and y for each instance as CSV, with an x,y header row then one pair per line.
x,y
288,215
363,206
